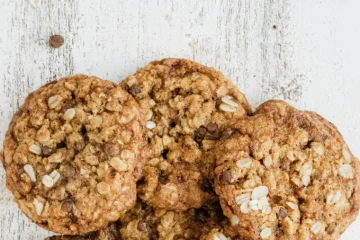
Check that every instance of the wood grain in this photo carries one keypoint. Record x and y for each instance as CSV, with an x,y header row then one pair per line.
x,y
305,52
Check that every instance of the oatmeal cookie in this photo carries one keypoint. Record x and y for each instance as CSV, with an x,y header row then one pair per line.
x,y
187,106
110,232
144,222
287,174
70,154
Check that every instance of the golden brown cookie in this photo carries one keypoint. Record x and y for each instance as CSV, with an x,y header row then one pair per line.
x,y
187,106
144,222
70,154
110,232
287,174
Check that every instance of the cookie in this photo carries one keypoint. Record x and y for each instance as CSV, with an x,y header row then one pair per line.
x,y
110,232
144,222
187,106
287,174
70,154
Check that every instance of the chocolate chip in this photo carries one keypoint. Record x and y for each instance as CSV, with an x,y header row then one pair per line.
x,y
67,205
142,226
226,134
111,149
135,90
56,41
210,132
47,151
201,215
69,171
172,124
212,128
226,177
79,146
282,213
163,178
200,134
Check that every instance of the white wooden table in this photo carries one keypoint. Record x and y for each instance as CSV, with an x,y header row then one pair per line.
x,y
306,52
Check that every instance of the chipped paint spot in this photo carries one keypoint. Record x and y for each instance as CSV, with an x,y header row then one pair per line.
x,y
288,88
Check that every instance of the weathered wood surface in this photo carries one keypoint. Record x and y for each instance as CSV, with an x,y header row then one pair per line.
x,y
306,52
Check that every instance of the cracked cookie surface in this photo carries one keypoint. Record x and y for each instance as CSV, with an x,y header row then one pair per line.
x,y
70,154
187,106
144,222
287,174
